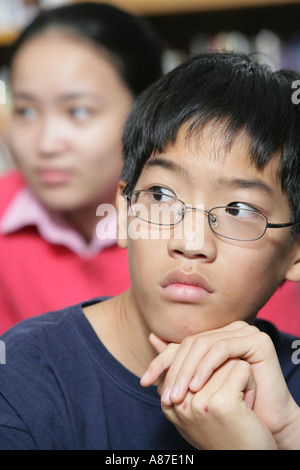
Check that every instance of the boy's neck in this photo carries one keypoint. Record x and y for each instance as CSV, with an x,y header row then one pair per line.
x,y
117,325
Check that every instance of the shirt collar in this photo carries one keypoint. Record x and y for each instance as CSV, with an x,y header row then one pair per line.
x,y
26,210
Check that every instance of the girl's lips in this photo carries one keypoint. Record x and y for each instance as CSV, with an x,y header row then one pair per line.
x,y
54,176
185,287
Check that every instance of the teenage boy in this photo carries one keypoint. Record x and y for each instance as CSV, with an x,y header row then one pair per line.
x,y
210,203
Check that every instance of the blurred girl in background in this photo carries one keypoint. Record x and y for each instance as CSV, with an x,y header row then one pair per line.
x,y
75,72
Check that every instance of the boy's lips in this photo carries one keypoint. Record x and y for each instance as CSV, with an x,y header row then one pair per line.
x,y
179,286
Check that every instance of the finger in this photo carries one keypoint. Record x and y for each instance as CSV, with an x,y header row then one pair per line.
x,y
219,416
184,367
158,343
189,355
249,348
234,326
173,393
180,411
192,372
159,365
237,387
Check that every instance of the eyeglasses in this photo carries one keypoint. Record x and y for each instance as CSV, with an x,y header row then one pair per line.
x,y
234,221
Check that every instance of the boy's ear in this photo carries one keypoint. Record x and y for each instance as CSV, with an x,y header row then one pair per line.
x,y
293,272
122,210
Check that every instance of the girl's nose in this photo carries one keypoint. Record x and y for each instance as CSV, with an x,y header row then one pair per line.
x,y
51,139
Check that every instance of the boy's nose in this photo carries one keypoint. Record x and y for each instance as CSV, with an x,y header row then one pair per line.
x,y
193,238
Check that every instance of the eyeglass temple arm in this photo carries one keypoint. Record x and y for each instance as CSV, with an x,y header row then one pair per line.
x,y
289,224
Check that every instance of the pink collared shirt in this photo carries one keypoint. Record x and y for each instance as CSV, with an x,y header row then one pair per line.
x,y
45,264
25,210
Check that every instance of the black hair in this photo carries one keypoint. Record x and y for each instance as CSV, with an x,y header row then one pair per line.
x,y
134,46
226,89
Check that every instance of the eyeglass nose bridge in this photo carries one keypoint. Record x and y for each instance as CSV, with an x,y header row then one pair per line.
x,y
212,218
186,208
191,208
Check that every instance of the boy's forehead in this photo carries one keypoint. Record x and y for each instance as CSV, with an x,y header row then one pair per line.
x,y
212,141
193,146
192,152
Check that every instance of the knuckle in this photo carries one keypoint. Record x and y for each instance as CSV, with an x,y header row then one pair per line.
x,y
239,324
265,341
200,343
219,405
198,340
215,405
205,405
200,404
221,345
264,337
221,348
169,413
244,368
187,342
251,329
172,348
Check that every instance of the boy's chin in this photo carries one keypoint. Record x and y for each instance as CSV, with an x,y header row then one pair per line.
x,y
178,334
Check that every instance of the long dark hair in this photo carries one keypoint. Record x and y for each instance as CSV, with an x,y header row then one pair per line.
x,y
132,44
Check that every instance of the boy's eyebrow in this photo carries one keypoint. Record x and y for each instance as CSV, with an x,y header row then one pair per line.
x,y
234,182
244,183
164,163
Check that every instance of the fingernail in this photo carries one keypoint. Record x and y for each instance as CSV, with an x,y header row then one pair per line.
x,y
165,398
145,377
174,392
194,382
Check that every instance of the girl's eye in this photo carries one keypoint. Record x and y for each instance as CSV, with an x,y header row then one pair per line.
x,y
80,113
27,113
241,210
161,194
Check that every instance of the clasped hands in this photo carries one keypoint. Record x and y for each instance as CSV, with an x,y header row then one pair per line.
x,y
224,389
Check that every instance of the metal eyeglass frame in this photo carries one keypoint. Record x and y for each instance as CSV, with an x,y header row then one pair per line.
x,y
207,212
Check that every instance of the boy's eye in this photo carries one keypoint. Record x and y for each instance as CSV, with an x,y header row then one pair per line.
x,y
241,210
161,194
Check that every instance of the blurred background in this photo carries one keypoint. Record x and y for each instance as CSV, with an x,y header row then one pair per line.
x,y
269,27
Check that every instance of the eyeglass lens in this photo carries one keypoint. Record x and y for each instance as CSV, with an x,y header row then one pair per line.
x,y
227,221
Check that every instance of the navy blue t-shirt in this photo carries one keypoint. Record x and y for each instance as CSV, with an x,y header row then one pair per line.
x,y
61,389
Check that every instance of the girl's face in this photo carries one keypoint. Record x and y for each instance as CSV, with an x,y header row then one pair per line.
x,y
69,108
